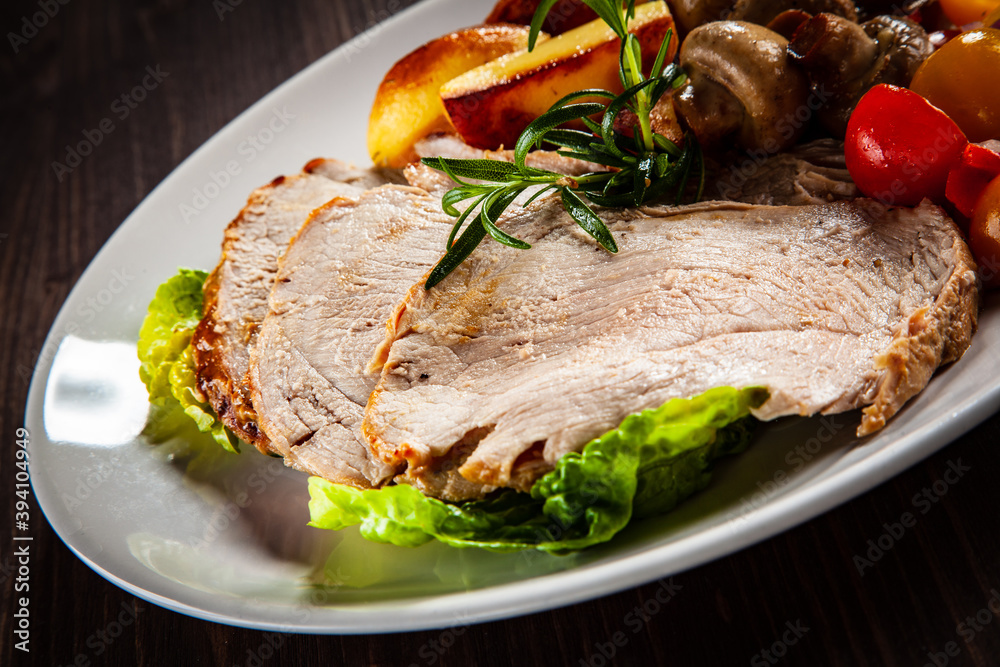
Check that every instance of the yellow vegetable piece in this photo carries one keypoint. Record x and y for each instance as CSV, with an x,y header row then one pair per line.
x,y
984,234
491,105
964,12
407,106
961,79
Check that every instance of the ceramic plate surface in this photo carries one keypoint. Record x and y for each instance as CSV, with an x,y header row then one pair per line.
x,y
224,537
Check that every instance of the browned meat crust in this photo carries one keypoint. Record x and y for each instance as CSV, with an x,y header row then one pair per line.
x,y
227,395
236,291
934,335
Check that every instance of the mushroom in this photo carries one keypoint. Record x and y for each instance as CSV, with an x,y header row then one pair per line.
x,y
787,22
690,14
843,60
869,8
742,89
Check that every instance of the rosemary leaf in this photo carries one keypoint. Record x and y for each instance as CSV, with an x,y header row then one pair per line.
x,y
610,14
668,147
535,132
661,57
481,169
462,218
587,219
643,178
617,104
456,196
493,207
629,169
457,252
544,7
539,193
574,139
588,93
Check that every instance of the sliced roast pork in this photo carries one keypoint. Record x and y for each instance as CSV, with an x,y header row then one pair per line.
x,y
451,146
340,280
521,356
812,173
236,291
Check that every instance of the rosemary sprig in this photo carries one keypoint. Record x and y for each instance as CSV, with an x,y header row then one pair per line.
x,y
632,169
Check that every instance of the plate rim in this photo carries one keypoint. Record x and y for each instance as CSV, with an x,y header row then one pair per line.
x,y
558,589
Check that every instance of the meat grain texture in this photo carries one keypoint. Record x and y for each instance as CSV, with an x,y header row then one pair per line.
x,y
339,282
236,291
519,357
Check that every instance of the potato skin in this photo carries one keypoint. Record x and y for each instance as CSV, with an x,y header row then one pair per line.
x,y
495,115
408,106
565,15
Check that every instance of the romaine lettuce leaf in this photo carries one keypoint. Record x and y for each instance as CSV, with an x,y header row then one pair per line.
x,y
167,366
650,463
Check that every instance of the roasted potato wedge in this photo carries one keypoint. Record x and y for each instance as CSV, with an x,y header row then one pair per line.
x,y
491,105
408,106
564,15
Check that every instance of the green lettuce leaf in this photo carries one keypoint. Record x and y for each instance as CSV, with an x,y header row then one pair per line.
x,y
650,463
167,364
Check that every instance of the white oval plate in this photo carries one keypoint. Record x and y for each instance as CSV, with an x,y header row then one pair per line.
x,y
224,537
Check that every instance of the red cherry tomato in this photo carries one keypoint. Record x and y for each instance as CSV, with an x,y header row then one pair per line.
x,y
899,147
984,234
969,177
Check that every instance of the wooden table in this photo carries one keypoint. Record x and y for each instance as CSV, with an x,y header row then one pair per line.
x,y
797,596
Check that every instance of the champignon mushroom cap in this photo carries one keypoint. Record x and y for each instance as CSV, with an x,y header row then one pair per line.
x,y
742,87
689,14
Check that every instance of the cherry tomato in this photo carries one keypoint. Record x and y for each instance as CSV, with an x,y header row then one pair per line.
x,y
984,234
964,12
969,177
900,148
963,79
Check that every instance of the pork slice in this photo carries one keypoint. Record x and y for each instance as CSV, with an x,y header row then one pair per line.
x,y
812,173
451,146
340,280
236,291
519,357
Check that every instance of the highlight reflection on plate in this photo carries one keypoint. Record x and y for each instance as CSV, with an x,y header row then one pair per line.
x,y
224,537
94,395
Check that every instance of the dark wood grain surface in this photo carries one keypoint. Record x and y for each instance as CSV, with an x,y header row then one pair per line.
x,y
921,599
